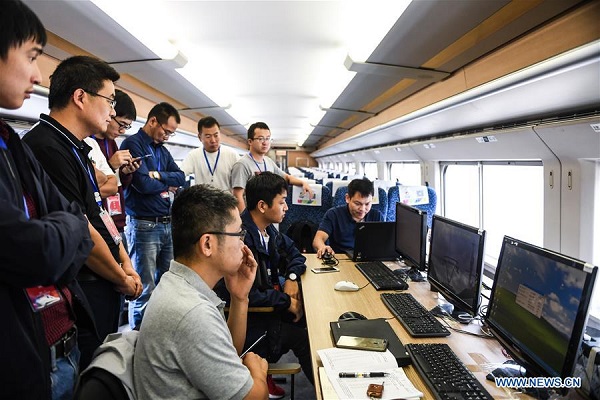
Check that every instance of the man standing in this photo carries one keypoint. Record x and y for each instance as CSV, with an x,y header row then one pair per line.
x,y
339,223
213,163
185,348
280,266
120,161
81,104
44,239
148,203
256,162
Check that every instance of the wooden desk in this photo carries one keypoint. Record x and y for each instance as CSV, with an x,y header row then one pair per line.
x,y
323,304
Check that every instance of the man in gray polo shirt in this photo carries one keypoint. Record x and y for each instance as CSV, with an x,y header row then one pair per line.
x,y
185,348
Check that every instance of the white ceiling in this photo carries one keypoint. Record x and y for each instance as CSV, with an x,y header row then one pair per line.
x,y
279,61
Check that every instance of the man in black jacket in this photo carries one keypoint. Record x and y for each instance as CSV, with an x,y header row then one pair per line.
x,y
44,240
276,285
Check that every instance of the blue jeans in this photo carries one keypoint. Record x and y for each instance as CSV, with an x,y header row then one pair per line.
x,y
151,252
63,375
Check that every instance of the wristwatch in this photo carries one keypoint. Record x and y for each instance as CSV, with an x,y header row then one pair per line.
x,y
292,277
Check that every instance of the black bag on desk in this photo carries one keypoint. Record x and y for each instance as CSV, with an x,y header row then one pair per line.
x,y
373,328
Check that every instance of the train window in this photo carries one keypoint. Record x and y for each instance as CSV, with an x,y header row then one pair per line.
x,y
503,198
405,173
351,168
370,170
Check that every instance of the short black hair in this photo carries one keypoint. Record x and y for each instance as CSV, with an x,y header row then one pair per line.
x,y
78,72
207,122
264,186
125,108
18,24
363,186
197,210
163,111
256,125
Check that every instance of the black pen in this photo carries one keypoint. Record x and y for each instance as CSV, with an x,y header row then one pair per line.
x,y
264,335
362,374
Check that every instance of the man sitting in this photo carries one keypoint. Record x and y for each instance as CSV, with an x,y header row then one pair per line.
x,y
339,224
280,266
185,349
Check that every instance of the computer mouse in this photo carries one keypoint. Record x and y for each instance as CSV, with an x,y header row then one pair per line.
x,y
346,286
351,316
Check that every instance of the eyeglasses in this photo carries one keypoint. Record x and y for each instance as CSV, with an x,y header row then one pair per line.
x,y
112,102
241,234
122,125
263,139
166,131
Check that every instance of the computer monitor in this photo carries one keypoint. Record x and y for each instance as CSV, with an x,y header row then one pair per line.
x,y
411,235
539,306
455,267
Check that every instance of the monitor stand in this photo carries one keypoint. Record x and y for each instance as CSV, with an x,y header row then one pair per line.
x,y
445,308
415,275
511,369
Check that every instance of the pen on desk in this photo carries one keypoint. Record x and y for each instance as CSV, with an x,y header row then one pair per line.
x,y
362,374
264,335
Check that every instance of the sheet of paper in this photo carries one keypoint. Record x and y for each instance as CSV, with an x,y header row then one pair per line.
x,y
396,383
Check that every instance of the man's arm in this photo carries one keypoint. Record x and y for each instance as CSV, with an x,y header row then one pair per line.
x,y
102,262
239,286
258,370
292,180
107,184
319,243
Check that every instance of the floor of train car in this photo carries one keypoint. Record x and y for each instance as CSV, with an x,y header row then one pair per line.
x,y
303,389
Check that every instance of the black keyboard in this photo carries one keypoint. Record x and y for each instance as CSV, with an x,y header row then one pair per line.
x,y
444,373
380,276
413,316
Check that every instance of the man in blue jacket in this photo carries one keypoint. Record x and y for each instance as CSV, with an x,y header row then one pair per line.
x,y
277,282
44,239
148,203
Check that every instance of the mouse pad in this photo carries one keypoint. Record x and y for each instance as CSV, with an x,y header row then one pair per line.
x,y
373,328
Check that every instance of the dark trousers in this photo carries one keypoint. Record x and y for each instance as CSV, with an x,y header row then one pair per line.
x,y
282,336
106,305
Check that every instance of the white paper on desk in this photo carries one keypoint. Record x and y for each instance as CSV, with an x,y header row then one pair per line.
x,y
396,383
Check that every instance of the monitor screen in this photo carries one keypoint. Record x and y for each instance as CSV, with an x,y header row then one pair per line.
x,y
411,235
538,306
455,264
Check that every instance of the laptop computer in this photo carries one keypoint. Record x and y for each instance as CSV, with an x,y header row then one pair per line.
x,y
374,241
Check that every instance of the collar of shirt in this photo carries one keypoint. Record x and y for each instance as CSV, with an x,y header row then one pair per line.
x,y
65,134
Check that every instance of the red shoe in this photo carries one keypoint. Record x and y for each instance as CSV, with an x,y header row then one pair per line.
x,y
275,392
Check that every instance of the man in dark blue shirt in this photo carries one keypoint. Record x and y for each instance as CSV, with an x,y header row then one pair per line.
x,y
148,203
339,224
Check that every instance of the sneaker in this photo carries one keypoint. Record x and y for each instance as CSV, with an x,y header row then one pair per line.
x,y
275,392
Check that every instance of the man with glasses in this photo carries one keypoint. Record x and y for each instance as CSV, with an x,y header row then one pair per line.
x,y
185,348
81,101
148,203
257,161
121,162
212,163
280,266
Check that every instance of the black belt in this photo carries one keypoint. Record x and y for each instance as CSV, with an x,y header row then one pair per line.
x,y
163,220
63,347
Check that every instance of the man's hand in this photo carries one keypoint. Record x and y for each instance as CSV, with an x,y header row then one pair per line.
x,y
306,188
130,271
131,167
292,289
120,158
296,309
239,283
324,249
128,288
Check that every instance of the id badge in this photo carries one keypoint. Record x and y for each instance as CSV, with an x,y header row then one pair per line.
x,y
113,203
110,225
41,297
165,195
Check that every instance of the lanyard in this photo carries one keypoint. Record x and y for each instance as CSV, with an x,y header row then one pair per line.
x,y
258,166
156,157
211,170
86,167
2,143
3,146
